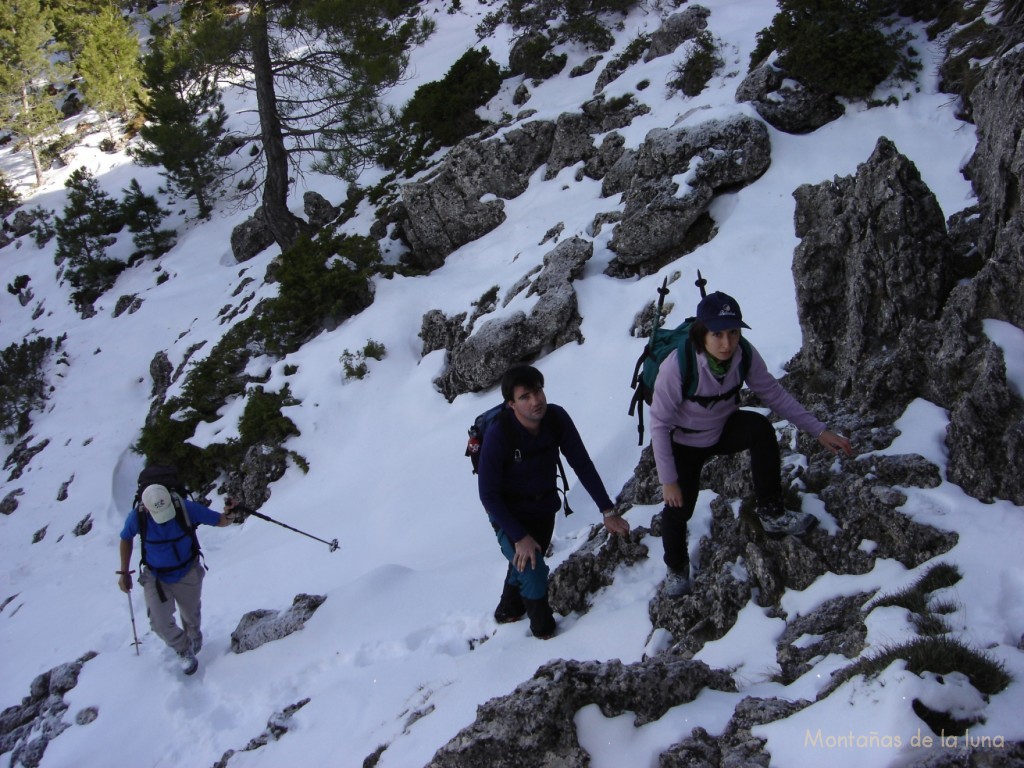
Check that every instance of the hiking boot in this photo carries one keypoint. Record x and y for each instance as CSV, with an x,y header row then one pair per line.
x,y
197,645
510,607
778,521
188,662
542,620
677,584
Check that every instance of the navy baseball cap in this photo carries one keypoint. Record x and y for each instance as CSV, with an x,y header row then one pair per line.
x,y
720,312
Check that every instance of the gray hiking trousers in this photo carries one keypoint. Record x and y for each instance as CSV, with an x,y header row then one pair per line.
x,y
186,594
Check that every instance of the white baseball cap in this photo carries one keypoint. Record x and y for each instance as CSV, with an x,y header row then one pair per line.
x,y
157,501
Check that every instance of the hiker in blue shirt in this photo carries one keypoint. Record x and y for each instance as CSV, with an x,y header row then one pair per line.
x,y
172,574
518,488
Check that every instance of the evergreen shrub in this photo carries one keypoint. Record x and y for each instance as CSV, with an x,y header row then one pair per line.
x,y
839,47
22,384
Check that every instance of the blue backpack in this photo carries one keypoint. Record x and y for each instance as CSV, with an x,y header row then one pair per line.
x,y
659,345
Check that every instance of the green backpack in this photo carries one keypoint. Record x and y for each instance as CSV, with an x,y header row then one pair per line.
x,y
660,343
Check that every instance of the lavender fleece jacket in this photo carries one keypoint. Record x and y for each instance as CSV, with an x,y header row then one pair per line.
x,y
669,410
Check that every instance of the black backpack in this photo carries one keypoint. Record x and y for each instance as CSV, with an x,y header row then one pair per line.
x,y
476,441
167,476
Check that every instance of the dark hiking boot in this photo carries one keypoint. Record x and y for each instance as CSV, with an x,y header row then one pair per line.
x,y
677,584
510,607
188,662
542,620
777,521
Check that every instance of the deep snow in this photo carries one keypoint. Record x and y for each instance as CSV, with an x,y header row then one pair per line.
x,y
387,659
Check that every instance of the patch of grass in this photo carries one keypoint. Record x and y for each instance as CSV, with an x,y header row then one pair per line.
x,y
940,655
915,597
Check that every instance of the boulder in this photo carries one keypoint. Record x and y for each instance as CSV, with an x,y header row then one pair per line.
x,y
786,104
27,729
319,211
673,178
479,361
676,30
450,207
872,268
263,626
251,237
538,717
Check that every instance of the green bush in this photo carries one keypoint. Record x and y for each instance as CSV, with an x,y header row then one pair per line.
x,y
838,47
443,112
9,197
691,75
763,47
354,363
262,420
210,382
22,384
536,59
323,281
84,232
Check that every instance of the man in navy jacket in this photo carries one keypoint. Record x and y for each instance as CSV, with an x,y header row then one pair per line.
x,y
518,488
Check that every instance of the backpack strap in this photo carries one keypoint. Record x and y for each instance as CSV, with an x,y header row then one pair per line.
x,y
506,425
188,529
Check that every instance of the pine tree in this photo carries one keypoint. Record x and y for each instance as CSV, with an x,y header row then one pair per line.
x,y
318,68
109,65
185,121
26,70
84,232
143,215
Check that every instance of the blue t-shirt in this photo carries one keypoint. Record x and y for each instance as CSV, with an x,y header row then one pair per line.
x,y
167,545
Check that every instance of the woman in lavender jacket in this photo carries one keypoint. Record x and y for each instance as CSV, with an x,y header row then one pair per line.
x,y
686,432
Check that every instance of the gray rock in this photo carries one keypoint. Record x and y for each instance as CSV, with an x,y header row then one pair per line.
x,y
251,237
10,501
479,361
263,464
538,717
319,211
676,30
785,104
659,212
22,454
736,746
22,223
872,265
27,729
838,628
263,626
438,331
277,726
444,211
590,568
883,317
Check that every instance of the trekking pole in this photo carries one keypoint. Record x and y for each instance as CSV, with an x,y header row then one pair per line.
x,y
332,544
131,612
700,283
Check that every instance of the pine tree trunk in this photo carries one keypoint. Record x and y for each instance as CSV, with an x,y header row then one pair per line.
x,y
282,223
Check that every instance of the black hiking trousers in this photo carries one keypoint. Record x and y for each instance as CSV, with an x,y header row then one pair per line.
x,y
745,430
